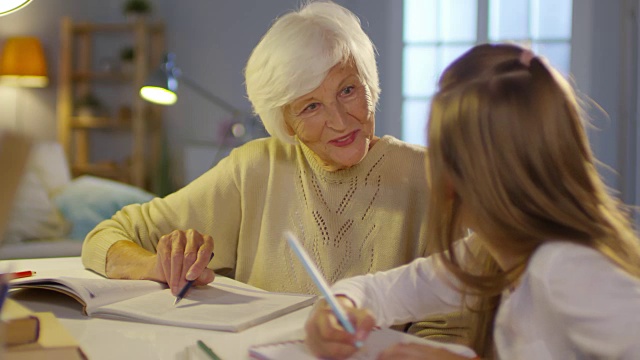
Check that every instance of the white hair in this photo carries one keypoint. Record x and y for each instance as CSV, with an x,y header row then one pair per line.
x,y
295,55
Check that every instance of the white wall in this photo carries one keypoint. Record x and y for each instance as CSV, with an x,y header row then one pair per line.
x,y
596,60
605,67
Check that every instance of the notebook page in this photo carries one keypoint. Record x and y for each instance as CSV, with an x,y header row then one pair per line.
x,y
377,341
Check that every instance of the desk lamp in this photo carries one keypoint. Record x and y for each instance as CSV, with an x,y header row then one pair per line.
x,y
162,85
161,88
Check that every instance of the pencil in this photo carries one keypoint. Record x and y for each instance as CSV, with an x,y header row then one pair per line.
x,y
208,350
20,274
186,288
321,283
4,291
182,292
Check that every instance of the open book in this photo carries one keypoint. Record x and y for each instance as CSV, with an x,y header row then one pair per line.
x,y
377,341
225,304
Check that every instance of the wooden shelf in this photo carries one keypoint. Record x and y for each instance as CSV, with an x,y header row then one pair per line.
x,y
80,43
108,170
101,76
85,27
93,122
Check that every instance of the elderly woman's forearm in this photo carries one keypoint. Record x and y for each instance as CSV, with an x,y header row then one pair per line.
x,y
127,260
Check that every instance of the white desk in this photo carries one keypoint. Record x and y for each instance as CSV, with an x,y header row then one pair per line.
x,y
112,339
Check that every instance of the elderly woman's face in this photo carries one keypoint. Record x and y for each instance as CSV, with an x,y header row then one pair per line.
x,y
335,120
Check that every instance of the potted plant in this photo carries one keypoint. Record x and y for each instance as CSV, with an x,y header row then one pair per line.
x,y
127,55
88,105
135,9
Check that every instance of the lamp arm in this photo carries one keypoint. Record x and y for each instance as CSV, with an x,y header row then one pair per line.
x,y
208,95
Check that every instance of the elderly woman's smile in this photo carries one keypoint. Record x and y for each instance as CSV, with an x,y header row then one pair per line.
x,y
345,140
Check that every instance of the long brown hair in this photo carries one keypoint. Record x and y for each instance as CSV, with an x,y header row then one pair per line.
x,y
507,140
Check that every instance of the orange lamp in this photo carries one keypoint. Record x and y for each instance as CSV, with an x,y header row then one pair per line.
x,y
22,63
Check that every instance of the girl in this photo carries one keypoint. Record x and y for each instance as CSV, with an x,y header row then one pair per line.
x,y
551,269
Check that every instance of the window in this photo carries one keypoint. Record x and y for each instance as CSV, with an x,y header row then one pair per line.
x,y
438,31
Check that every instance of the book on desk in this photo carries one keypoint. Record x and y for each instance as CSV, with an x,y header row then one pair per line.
x,y
35,335
224,305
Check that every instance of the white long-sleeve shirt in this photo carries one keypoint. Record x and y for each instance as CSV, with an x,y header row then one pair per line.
x,y
571,303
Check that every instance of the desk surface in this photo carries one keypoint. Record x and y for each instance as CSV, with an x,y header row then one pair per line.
x,y
113,339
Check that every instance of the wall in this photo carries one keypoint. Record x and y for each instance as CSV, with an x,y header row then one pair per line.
x,y
605,68
596,69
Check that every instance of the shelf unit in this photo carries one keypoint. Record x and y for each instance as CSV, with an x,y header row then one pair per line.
x,y
80,74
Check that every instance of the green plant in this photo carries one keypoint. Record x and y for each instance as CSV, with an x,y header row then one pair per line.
x,y
137,7
88,100
127,54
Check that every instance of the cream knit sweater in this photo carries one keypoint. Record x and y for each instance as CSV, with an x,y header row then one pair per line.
x,y
366,218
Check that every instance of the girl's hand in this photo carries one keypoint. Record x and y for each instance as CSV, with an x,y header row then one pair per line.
x,y
418,351
182,256
326,338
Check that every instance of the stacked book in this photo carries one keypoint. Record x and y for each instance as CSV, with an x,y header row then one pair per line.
x,y
34,335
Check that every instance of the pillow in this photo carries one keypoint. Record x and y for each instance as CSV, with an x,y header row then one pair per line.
x,y
47,159
34,215
87,200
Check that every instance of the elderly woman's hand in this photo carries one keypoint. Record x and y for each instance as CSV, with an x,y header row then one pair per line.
x,y
326,338
182,256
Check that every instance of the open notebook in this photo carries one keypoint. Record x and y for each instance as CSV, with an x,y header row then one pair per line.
x,y
14,152
224,305
377,341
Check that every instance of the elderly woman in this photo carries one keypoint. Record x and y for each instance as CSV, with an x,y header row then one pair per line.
x,y
356,201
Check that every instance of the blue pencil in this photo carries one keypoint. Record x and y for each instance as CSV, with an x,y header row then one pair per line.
x,y
186,288
321,283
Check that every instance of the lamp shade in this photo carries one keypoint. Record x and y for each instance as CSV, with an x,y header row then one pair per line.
x,y
9,6
22,63
160,88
